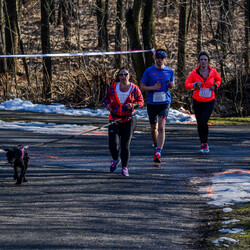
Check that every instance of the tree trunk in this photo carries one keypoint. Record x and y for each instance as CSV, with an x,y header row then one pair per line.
x,y
45,37
53,12
2,38
200,26
148,30
189,15
105,22
223,34
247,37
223,30
67,17
133,28
119,31
23,58
11,33
165,9
102,18
181,64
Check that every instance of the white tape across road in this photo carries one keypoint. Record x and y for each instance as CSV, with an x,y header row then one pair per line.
x,y
81,54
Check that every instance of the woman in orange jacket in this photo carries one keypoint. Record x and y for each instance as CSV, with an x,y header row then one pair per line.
x,y
203,80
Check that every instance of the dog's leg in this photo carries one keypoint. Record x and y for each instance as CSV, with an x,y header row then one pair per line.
x,y
21,177
15,173
19,180
25,166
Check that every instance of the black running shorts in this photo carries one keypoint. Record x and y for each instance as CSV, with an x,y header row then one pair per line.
x,y
157,110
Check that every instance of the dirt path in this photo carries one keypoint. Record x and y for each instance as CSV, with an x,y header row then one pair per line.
x,y
72,201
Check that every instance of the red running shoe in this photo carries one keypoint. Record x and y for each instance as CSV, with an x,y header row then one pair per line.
x,y
204,148
157,158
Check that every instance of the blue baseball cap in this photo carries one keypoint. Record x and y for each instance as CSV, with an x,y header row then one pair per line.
x,y
162,53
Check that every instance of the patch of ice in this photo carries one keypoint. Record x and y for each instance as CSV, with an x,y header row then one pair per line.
x,y
228,188
230,231
227,210
222,239
230,221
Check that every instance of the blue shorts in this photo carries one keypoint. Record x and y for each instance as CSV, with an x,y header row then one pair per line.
x,y
157,110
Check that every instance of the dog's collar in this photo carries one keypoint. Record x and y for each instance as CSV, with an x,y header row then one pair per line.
x,y
22,148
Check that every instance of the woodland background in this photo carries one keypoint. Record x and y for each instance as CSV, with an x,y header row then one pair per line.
x,y
182,27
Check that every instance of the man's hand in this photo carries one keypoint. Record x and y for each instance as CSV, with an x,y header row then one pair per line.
x,y
171,85
157,86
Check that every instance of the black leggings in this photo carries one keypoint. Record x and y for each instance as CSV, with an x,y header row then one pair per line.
x,y
120,135
203,111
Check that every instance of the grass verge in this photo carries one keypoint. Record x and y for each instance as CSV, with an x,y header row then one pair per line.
x,y
230,120
238,218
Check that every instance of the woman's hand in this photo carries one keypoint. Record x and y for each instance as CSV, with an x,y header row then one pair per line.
x,y
197,84
130,106
108,107
213,87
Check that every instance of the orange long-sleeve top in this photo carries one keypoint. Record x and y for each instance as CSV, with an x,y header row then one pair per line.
x,y
203,94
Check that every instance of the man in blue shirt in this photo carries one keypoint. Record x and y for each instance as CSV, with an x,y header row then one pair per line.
x,y
157,80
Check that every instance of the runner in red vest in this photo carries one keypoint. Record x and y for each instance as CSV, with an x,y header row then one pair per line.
x,y
203,80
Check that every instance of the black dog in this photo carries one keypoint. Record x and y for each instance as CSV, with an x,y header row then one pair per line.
x,y
18,157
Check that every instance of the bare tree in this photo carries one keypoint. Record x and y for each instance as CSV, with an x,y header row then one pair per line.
x,y
208,10
133,27
119,30
223,30
247,37
11,13
45,38
148,30
169,4
21,46
65,13
52,17
102,19
200,26
2,38
182,40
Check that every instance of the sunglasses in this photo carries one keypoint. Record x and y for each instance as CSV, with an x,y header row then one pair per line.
x,y
159,57
123,74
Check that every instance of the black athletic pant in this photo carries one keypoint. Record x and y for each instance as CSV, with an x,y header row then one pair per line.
x,y
203,111
120,135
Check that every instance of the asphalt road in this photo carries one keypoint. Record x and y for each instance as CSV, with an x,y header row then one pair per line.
x,y
71,201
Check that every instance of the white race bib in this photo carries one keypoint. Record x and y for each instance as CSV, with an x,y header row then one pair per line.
x,y
159,97
205,92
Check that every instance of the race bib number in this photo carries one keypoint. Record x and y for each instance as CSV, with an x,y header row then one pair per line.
x,y
159,97
205,92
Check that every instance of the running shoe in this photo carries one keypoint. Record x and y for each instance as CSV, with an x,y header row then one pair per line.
x,y
204,148
125,172
114,164
157,158
155,153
